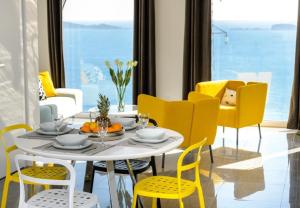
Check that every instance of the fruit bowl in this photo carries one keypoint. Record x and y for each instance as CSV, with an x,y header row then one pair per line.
x,y
92,127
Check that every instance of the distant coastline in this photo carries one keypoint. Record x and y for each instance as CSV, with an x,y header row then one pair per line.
x,y
283,27
101,26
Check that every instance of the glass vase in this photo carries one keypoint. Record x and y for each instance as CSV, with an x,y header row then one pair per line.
x,y
121,102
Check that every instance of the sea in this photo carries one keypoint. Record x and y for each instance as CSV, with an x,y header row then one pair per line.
x,y
250,51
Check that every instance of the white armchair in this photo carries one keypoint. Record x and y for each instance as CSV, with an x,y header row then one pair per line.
x,y
67,102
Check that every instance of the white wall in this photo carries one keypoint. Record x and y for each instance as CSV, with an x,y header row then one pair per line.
x,y
18,78
44,63
170,17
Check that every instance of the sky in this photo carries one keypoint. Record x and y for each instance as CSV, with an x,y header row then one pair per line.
x,y
255,10
243,10
98,10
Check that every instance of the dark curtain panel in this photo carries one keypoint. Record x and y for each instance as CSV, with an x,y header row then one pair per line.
x,y
294,115
197,44
55,36
144,48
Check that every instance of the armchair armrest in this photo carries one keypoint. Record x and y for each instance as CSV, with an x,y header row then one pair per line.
x,y
251,101
211,88
76,94
196,96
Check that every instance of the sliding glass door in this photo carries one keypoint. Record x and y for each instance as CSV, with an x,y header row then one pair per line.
x,y
95,31
254,40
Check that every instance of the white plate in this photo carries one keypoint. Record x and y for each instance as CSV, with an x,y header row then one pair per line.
x,y
86,144
128,128
153,141
65,131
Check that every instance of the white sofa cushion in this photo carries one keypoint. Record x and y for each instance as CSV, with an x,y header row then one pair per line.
x,y
66,106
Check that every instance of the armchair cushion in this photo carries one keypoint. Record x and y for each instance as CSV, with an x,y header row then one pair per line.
x,y
229,97
47,83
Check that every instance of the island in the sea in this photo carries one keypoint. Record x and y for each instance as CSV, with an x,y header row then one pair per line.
x,y
102,26
283,27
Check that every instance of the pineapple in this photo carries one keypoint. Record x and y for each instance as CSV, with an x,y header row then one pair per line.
x,y
103,105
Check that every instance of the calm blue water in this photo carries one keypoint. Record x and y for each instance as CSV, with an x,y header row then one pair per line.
x,y
85,53
252,48
249,48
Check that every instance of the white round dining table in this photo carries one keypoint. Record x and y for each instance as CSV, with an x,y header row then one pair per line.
x,y
117,152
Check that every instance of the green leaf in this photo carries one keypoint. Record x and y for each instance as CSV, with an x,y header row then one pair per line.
x,y
127,77
120,77
113,76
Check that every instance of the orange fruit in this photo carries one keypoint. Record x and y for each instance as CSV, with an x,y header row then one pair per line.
x,y
85,129
86,124
93,126
115,127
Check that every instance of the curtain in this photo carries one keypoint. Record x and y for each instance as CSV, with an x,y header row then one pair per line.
x,y
294,115
144,48
55,36
197,44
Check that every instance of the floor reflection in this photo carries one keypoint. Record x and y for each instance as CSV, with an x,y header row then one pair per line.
x,y
238,178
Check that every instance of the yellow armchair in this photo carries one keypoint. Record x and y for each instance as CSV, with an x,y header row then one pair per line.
x,y
195,118
250,102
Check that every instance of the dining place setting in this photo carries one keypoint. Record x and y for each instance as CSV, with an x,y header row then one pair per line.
x,y
93,137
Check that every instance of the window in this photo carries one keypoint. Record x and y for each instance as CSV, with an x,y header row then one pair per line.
x,y
255,40
95,31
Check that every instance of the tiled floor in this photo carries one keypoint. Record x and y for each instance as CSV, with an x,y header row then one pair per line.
x,y
238,178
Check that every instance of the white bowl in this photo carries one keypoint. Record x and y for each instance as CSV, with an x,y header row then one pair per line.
x,y
50,126
150,133
126,122
71,139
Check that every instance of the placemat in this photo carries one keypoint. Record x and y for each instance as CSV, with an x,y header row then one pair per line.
x,y
35,135
91,150
131,143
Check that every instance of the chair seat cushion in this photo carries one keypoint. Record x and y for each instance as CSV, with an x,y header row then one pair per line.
x,y
60,198
57,173
138,166
164,187
227,116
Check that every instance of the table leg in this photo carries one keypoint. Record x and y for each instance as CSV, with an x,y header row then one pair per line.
x,y
88,175
112,184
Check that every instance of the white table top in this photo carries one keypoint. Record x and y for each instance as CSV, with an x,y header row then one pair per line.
x,y
117,152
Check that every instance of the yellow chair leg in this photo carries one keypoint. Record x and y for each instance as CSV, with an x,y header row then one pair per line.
x,y
181,205
5,193
134,200
154,203
201,197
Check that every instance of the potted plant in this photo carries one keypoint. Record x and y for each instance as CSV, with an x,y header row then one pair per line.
x,y
121,79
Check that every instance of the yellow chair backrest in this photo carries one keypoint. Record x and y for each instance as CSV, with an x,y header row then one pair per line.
x,y
152,105
175,115
251,101
193,165
8,149
194,119
205,119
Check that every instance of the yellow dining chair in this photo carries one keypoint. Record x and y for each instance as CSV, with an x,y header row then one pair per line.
x,y
250,103
167,187
193,118
57,173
